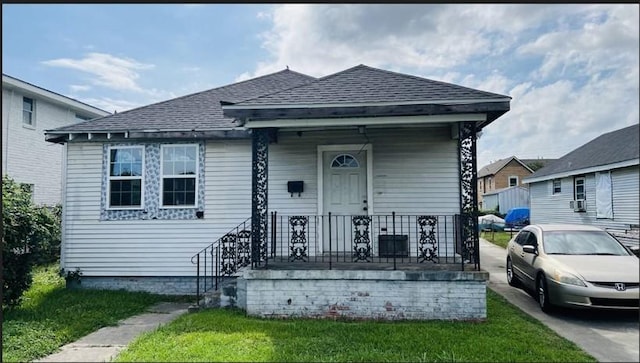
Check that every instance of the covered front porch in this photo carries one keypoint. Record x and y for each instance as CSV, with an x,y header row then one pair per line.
x,y
363,197
419,249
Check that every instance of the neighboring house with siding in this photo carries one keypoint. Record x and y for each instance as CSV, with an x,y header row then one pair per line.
x,y
502,200
501,174
596,184
28,110
360,166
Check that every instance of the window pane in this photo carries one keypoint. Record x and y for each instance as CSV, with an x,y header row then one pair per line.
x,y
190,153
179,191
190,198
27,117
125,193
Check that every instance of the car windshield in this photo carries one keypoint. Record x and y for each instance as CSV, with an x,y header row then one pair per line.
x,y
582,243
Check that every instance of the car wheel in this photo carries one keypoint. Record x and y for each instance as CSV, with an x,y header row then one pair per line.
x,y
543,294
511,277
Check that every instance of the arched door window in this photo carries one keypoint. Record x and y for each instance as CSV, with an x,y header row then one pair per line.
x,y
345,161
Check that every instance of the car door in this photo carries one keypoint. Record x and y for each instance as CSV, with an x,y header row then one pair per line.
x,y
517,254
529,259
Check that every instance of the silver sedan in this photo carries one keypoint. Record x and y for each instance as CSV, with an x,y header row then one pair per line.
x,y
574,266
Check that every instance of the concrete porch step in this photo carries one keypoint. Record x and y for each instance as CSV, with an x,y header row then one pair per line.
x,y
225,296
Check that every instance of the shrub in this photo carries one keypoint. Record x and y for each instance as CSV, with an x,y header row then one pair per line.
x,y
31,235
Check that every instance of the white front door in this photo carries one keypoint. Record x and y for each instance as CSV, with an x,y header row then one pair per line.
x,y
345,195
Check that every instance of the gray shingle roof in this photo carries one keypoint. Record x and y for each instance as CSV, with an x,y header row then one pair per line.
x,y
612,147
363,84
198,111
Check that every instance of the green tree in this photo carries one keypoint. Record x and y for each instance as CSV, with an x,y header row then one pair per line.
x,y
535,165
30,235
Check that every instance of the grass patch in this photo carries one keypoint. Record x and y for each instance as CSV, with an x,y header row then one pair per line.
x,y
228,335
498,238
51,315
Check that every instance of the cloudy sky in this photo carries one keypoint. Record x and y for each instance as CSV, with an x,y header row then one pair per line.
x,y
572,70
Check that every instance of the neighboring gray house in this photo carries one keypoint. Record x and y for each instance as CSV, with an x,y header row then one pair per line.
x,y
504,199
28,110
360,184
596,184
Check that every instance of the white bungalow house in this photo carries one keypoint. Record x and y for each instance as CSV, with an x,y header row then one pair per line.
x,y
28,110
597,184
349,195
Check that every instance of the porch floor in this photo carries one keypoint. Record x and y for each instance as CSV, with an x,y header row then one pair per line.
x,y
379,266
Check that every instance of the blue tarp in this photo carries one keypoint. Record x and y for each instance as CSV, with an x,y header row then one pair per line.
x,y
517,217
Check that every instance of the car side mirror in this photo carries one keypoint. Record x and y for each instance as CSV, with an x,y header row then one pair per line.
x,y
530,249
635,250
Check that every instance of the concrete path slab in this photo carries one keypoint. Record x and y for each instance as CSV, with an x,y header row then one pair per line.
x,y
106,343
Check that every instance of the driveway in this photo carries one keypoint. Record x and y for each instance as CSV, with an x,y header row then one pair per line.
x,y
607,336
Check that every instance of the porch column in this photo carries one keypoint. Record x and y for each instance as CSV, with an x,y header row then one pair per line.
x,y
468,192
259,205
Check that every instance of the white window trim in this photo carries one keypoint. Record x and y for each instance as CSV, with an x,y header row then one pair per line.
x,y
32,125
513,177
110,178
162,176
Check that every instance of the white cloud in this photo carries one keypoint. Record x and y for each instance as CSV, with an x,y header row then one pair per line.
x,y
111,105
571,69
79,87
108,70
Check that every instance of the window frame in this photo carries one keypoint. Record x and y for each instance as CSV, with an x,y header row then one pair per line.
x,y
32,113
513,177
553,186
575,187
343,165
110,178
195,176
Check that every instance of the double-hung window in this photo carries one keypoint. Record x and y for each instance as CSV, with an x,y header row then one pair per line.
x,y
126,164
179,175
557,186
28,111
579,188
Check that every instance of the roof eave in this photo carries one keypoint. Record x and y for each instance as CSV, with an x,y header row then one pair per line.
x,y
592,169
493,110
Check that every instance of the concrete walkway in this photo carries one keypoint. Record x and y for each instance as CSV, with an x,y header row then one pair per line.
x,y
106,343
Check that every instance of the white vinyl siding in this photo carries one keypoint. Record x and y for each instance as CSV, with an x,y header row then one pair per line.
x,y
415,171
547,208
124,248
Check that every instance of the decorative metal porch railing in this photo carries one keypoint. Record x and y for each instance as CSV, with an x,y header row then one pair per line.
x,y
379,239
222,258
326,241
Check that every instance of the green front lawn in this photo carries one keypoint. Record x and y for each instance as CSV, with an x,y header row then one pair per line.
x,y
498,238
51,316
228,335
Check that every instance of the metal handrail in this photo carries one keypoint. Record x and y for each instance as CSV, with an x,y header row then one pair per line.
x,y
214,262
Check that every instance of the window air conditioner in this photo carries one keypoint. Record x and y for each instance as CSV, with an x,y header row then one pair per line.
x,y
579,205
